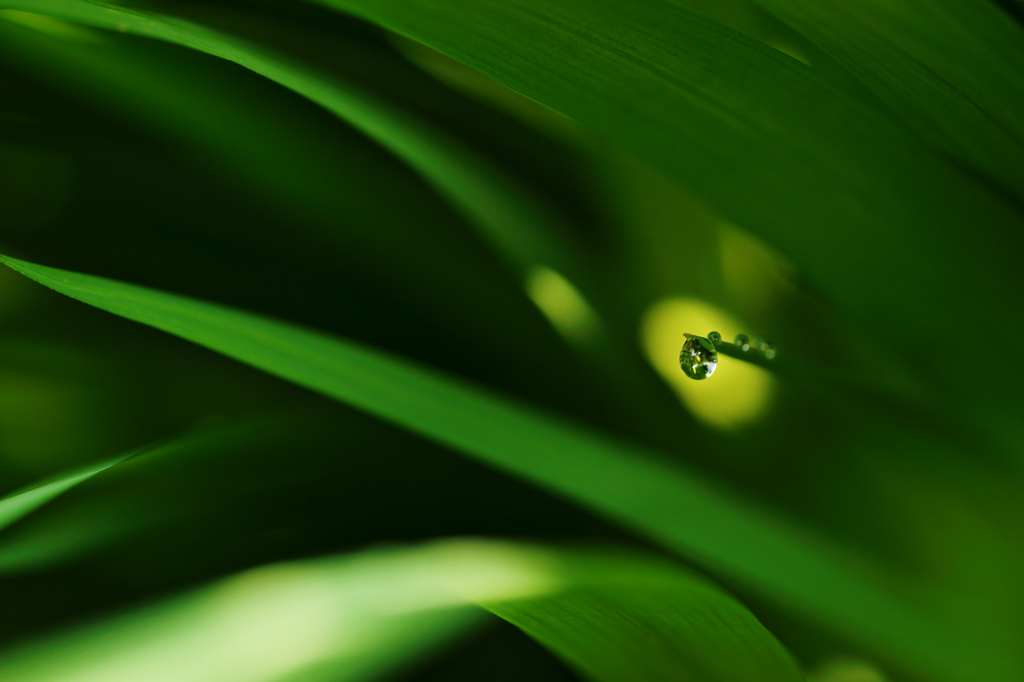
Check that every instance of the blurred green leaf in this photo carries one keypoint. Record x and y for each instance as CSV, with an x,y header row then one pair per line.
x,y
23,502
85,527
614,616
522,228
875,219
623,617
316,176
668,504
344,620
949,70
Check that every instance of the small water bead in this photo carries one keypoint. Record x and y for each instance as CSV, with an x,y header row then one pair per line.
x,y
743,341
715,337
698,358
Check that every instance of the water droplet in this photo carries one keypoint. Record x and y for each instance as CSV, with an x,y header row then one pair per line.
x,y
698,358
769,354
714,337
743,342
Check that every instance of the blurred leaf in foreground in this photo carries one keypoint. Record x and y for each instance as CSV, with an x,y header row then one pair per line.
x,y
614,616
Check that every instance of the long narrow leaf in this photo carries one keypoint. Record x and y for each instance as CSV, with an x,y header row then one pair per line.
x,y
23,502
949,69
85,528
516,222
666,503
523,229
616,617
874,218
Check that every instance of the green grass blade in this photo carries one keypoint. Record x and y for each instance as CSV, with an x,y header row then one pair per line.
x,y
950,70
84,528
346,620
665,503
616,617
874,218
329,184
522,228
624,617
24,502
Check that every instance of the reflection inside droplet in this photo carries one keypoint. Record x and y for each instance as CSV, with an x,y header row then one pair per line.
x,y
698,357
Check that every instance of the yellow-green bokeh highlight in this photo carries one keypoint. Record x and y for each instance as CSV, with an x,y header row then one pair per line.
x,y
736,395
561,302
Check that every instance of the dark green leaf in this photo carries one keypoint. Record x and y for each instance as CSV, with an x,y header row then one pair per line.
x,y
880,223
666,503
506,214
950,70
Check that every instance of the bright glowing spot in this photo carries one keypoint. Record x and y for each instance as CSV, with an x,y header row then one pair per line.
x,y
848,670
363,613
485,571
738,394
561,302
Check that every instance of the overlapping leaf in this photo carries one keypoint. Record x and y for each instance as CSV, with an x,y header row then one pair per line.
x,y
18,504
876,220
525,231
665,503
615,616
507,214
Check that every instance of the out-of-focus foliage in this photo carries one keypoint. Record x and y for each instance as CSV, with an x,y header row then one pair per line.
x,y
456,245
612,615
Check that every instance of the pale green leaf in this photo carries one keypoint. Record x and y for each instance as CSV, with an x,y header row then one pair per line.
x,y
615,616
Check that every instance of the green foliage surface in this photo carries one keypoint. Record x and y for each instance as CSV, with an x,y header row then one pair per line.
x,y
441,250
612,615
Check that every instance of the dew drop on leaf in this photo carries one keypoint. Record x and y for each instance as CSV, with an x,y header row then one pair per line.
x,y
698,358
715,337
743,342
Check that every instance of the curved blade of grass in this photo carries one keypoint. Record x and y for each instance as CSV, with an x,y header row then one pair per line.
x,y
523,229
349,620
666,503
24,502
874,218
950,70
326,182
90,526
616,617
